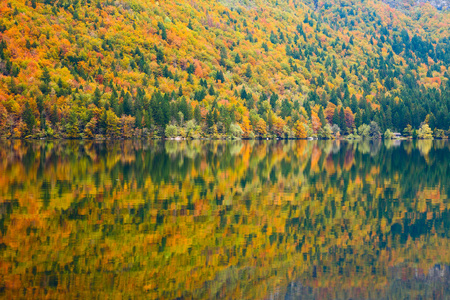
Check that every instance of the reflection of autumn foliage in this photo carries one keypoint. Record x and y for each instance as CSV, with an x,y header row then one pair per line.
x,y
204,219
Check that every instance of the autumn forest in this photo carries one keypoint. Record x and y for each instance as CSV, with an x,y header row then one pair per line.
x,y
223,69
236,149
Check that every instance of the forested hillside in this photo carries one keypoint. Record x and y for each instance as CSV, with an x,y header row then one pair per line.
x,y
262,68
409,6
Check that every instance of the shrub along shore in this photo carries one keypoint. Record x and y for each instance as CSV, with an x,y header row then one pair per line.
x,y
193,132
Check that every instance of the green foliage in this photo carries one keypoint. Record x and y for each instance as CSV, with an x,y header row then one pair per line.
x,y
191,129
364,131
326,132
112,124
72,126
374,130
425,132
439,133
171,131
388,134
28,118
236,131
248,72
408,131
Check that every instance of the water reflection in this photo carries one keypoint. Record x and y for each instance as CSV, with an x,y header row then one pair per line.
x,y
243,219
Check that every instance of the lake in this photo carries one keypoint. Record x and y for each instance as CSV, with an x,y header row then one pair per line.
x,y
225,219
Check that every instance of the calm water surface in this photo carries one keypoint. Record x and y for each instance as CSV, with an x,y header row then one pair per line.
x,y
245,219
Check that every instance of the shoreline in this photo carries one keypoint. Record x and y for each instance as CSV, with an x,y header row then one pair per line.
x,y
216,139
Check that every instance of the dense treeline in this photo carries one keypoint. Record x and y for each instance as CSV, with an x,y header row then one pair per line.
x,y
102,69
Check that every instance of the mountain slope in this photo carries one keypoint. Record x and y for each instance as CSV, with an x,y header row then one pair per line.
x,y
411,5
132,68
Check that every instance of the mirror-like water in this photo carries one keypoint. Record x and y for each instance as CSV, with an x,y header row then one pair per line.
x,y
245,219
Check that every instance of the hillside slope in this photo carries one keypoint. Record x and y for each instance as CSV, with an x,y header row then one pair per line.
x,y
204,68
411,5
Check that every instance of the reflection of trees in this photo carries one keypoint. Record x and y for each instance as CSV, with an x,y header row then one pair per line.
x,y
236,148
258,214
424,146
389,143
